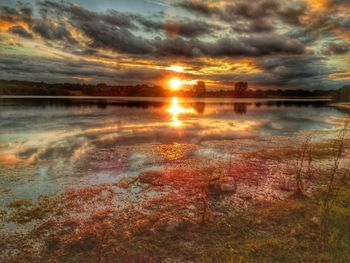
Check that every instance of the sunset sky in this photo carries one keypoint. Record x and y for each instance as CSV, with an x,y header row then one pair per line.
x,y
268,43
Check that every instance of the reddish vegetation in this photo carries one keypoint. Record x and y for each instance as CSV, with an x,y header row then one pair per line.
x,y
149,217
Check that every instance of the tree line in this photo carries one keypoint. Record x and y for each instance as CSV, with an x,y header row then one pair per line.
x,y
240,90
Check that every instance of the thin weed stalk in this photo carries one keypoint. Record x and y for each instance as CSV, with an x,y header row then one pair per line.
x,y
329,196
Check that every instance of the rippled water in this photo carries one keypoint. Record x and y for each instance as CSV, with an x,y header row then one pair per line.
x,y
49,145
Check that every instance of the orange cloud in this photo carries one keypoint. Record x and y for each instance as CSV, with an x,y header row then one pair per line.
x,y
340,76
5,25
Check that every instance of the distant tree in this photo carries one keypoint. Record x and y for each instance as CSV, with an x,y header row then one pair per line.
x,y
241,88
343,94
199,89
17,87
101,85
259,94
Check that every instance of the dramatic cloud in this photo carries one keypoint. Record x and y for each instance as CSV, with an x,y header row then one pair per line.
x,y
333,48
184,27
287,43
254,46
49,31
198,7
48,69
19,30
113,31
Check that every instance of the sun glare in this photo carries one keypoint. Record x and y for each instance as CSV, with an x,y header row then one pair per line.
x,y
175,83
176,68
175,110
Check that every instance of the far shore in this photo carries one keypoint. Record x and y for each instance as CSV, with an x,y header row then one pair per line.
x,y
293,98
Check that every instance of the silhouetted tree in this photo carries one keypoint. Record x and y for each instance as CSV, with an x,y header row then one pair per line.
x,y
17,87
199,89
241,88
342,94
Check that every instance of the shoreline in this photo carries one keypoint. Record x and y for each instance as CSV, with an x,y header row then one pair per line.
x,y
131,98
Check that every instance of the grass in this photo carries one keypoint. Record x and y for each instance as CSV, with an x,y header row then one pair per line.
x,y
287,231
293,230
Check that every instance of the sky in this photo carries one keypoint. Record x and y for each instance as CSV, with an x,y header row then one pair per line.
x,y
301,44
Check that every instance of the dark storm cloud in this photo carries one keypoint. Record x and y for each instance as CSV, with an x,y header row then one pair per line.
x,y
87,20
182,27
113,30
319,28
8,14
109,30
43,29
269,16
22,12
241,16
257,9
25,9
231,10
251,46
19,30
78,15
250,17
254,46
197,7
292,14
9,65
334,48
58,70
50,31
117,39
252,26
304,71
177,47
119,32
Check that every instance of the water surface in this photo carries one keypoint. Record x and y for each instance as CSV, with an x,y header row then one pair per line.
x,y
52,144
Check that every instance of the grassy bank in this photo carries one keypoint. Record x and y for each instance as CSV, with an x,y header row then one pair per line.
x,y
287,231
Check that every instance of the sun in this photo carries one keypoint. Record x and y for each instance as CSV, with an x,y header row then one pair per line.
x,y
175,83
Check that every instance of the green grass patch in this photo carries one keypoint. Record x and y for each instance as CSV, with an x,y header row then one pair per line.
x,y
287,231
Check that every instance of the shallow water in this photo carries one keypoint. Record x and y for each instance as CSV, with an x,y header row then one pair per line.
x,y
53,144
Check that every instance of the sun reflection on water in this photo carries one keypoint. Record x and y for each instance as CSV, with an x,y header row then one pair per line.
x,y
175,109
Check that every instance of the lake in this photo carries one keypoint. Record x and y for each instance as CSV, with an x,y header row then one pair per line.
x,y
53,144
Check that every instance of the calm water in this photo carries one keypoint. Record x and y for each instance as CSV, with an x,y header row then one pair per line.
x,y
49,145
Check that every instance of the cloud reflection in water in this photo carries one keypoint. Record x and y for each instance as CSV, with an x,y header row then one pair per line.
x,y
59,135
68,129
